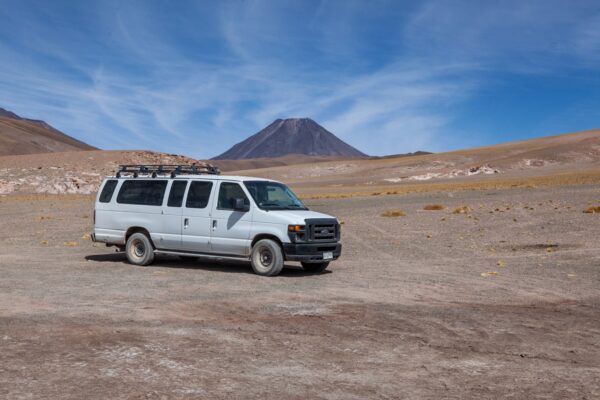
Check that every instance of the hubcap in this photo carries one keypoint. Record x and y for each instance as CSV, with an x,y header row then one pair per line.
x,y
266,257
138,248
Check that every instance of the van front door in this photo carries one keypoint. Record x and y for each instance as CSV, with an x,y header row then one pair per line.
x,y
196,224
231,226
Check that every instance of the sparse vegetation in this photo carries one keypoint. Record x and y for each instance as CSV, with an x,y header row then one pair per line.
x,y
592,210
461,210
393,213
433,207
571,178
490,273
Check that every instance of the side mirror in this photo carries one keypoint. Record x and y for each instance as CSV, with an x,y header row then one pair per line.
x,y
240,205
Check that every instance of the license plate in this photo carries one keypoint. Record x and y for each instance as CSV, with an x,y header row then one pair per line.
x,y
328,255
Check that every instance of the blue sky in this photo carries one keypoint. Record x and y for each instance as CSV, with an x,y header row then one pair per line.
x,y
195,77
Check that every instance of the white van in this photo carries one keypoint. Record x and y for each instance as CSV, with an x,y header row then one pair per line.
x,y
194,212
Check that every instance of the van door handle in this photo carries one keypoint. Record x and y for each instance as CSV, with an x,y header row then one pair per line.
x,y
186,222
214,224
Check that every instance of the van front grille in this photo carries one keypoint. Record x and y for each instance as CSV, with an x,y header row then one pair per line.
x,y
322,230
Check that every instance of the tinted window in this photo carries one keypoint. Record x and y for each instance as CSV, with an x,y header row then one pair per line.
x,y
228,192
149,193
108,190
198,194
176,194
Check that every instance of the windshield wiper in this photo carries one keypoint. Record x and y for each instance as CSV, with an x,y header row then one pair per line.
x,y
296,205
271,205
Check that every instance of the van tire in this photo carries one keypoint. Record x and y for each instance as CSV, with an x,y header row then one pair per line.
x,y
315,267
267,257
139,249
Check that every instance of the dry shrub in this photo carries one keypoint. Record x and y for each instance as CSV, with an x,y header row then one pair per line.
x,y
489,273
461,210
592,210
393,213
433,207
71,244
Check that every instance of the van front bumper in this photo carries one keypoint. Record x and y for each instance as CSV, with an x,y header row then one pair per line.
x,y
311,251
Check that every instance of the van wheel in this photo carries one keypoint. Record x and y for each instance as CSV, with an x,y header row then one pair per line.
x,y
139,249
267,258
315,267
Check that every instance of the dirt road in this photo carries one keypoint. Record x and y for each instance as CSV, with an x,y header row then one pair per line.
x,y
499,302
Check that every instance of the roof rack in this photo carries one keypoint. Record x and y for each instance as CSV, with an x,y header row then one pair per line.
x,y
172,170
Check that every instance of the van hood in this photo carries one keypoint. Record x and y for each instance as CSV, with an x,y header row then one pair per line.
x,y
290,217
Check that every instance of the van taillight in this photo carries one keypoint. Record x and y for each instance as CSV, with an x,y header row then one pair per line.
x,y
94,217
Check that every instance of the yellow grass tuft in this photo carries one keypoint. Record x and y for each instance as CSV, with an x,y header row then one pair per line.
x,y
592,210
461,210
71,244
490,273
393,213
433,207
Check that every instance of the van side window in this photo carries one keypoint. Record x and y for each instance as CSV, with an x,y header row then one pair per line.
x,y
198,194
108,190
142,192
176,194
228,192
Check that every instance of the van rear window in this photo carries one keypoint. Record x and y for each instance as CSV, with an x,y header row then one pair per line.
x,y
142,192
108,190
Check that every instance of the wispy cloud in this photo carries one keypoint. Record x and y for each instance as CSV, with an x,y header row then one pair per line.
x,y
197,78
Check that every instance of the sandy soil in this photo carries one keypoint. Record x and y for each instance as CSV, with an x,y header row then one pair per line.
x,y
500,302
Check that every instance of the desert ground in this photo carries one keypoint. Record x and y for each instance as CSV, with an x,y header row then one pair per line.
x,y
495,295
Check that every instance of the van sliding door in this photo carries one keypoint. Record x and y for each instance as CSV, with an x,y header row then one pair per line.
x,y
172,217
195,236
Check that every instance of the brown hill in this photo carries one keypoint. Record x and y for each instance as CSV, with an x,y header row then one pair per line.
x,y
73,171
547,156
291,136
257,163
28,136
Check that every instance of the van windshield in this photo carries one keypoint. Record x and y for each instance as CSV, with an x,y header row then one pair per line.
x,y
273,196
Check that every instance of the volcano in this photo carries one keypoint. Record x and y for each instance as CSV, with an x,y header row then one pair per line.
x,y
291,136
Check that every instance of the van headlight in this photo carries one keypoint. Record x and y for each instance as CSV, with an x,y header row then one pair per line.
x,y
297,233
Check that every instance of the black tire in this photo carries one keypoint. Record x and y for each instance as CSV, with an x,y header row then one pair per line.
x,y
267,258
139,249
315,267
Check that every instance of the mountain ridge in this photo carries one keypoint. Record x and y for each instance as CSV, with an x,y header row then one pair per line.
x,y
20,136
